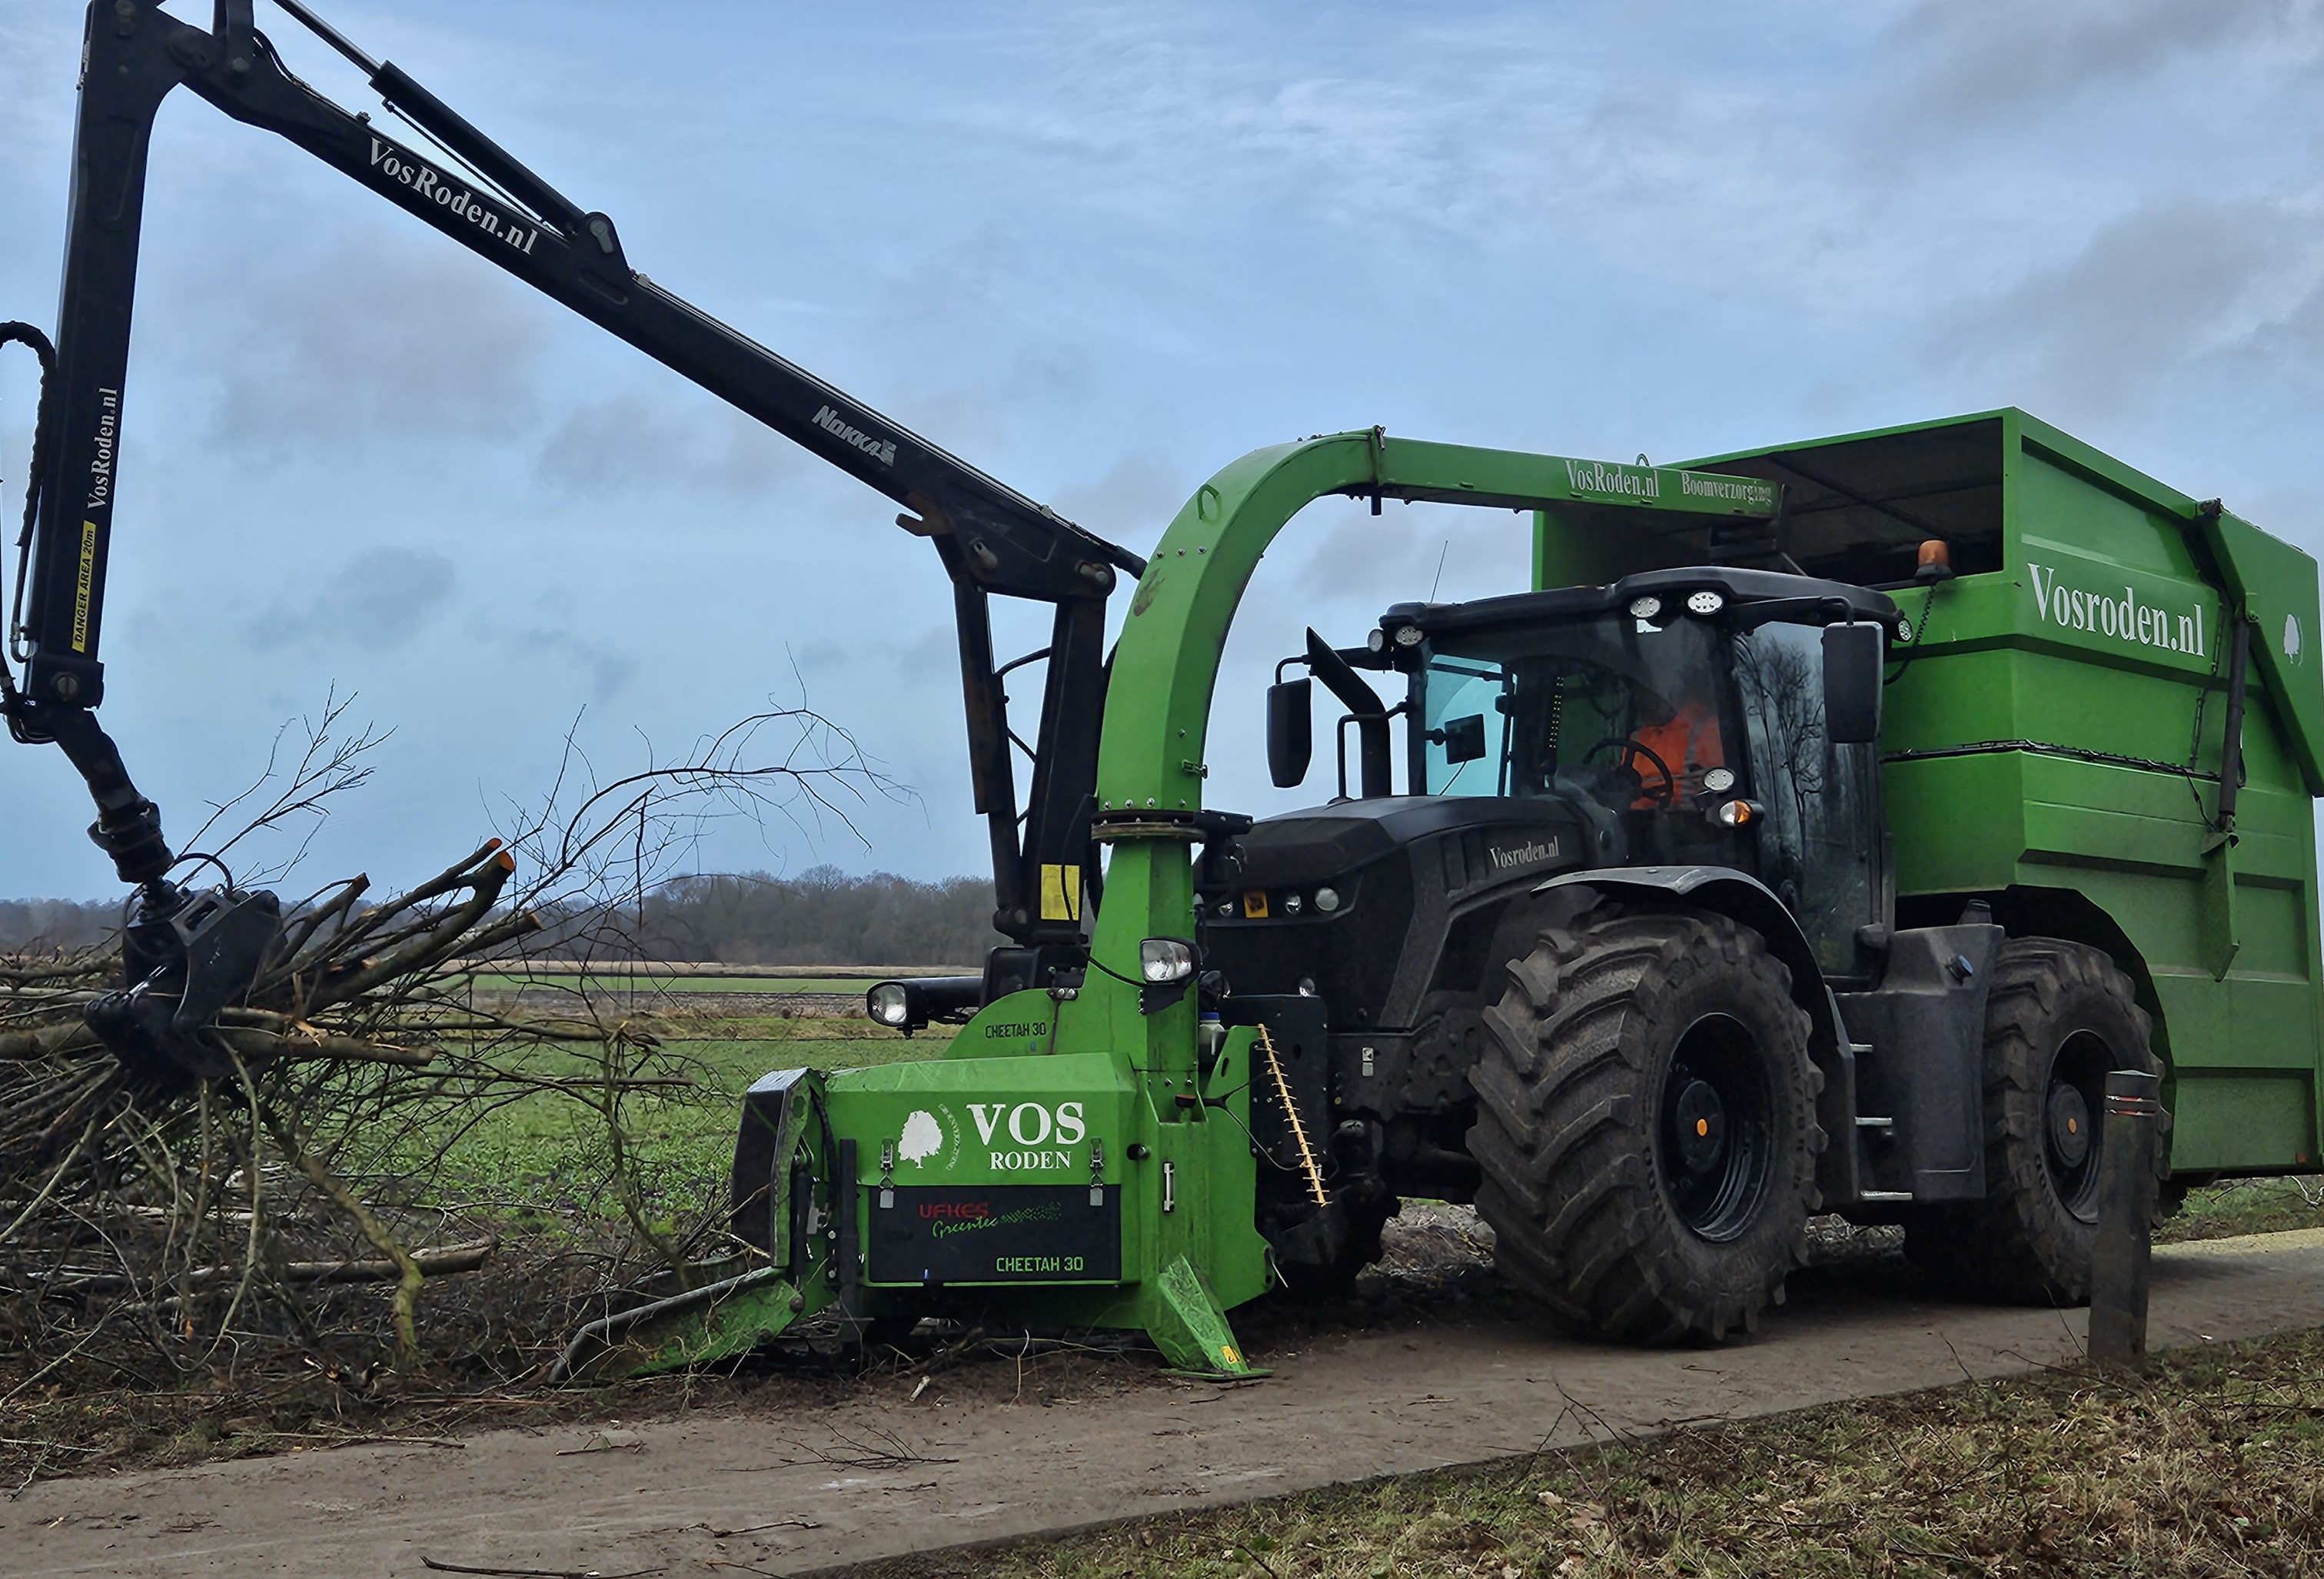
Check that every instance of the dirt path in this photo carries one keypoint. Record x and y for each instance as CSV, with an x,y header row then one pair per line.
x,y
881,1473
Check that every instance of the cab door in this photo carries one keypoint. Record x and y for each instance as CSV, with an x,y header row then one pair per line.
x,y
1822,842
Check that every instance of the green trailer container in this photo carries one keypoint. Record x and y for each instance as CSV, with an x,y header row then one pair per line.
x,y
2052,743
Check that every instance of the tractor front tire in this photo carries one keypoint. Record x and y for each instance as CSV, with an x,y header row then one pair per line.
x,y
1646,1125
2058,1017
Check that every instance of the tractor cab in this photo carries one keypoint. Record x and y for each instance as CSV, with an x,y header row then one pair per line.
x,y
1685,714
1680,718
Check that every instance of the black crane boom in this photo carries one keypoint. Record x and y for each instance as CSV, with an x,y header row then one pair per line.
x,y
991,539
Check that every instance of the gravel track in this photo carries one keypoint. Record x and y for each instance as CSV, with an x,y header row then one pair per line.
x,y
1430,1363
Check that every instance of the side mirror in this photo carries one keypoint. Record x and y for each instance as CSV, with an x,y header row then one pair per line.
x,y
1290,730
1853,655
1463,738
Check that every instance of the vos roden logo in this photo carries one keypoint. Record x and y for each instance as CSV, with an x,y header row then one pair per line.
x,y
1023,1137
1032,1126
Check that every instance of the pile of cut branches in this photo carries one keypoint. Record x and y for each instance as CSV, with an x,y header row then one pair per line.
x,y
165,1174
282,1212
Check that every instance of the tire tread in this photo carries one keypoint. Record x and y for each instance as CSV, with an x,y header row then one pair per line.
x,y
1565,1116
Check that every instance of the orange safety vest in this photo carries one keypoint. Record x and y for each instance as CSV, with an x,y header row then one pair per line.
x,y
1688,744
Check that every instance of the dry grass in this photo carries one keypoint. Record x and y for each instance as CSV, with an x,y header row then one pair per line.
x,y
2215,1465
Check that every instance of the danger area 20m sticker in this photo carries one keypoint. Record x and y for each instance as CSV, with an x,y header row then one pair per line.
x,y
995,1233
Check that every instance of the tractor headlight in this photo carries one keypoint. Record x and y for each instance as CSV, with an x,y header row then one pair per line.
x,y
1165,959
1645,608
1705,602
1327,900
889,1004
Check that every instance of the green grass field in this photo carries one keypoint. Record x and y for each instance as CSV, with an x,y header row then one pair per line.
x,y
543,1155
659,983
2246,1205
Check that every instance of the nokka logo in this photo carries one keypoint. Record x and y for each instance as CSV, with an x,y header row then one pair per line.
x,y
883,451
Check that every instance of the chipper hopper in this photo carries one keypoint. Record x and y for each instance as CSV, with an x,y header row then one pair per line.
x,y
1814,836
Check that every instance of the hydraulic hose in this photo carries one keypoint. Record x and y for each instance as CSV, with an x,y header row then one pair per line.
x,y
43,435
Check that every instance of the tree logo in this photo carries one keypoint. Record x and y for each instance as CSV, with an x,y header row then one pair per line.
x,y
925,1135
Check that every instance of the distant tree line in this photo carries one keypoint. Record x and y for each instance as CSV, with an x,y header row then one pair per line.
x,y
822,916
57,923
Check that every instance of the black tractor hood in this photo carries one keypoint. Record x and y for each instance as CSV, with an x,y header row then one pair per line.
x,y
1320,842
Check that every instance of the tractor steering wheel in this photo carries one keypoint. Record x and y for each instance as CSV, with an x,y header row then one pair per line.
x,y
1661,794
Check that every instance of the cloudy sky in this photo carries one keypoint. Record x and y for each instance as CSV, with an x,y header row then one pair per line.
x,y
1100,250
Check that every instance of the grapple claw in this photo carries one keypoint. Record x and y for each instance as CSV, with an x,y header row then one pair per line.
x,y
185,956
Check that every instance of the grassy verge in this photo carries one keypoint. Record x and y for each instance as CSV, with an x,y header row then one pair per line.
x,y
2214,1466
2247,1206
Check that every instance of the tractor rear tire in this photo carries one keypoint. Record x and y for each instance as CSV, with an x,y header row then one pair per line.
x,y
1645,1125
2059,1016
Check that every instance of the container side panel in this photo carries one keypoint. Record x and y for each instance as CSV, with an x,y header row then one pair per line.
x,y
2060,727
2278,583
2220,1124
2056,508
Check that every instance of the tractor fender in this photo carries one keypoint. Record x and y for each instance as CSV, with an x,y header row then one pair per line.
x,y
1743,897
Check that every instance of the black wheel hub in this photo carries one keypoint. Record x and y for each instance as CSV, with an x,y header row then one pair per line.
x,y
1701,1127
2069,1126
1715,1143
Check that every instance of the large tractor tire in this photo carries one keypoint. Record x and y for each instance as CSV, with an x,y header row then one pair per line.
x,y
1646,1122
2058,1017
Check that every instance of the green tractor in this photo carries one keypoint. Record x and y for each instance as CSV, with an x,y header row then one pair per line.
x,y
1814,836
